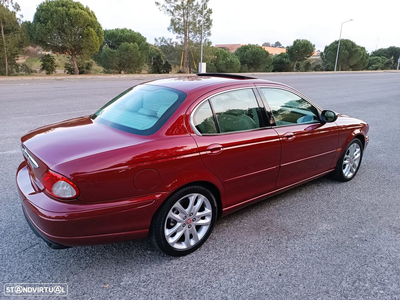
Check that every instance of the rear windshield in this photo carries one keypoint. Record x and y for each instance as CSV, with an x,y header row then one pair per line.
x,y
142,110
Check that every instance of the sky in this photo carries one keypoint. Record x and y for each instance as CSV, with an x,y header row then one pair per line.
x,y
374,25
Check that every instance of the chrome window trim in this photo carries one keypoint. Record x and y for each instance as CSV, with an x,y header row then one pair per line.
x,y
232,132
291,90
294,92
219,93
29,158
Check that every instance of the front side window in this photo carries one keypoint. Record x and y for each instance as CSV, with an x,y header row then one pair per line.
x,y
288,108
141,110
236,111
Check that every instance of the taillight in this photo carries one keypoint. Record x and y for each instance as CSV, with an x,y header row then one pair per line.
x,y
59,186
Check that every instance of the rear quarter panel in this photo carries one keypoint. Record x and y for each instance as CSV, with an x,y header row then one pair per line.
x,y
157,166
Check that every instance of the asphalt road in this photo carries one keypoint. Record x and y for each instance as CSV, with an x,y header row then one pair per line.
x,y
324,240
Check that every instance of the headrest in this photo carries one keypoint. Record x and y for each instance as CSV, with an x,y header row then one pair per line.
x,y
235,105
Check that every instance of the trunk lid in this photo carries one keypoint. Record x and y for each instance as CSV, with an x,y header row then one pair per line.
x,y
73,139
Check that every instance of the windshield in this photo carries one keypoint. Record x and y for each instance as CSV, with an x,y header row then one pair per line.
x,y
141,110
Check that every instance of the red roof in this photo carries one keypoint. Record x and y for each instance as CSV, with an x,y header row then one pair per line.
x,y
234,47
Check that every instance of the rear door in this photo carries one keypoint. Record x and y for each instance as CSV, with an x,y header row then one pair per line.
x,y
236,143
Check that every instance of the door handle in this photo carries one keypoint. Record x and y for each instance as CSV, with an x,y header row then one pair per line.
x,y
289,136
214,149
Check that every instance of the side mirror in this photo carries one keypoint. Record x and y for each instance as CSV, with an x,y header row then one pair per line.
x,y
328,116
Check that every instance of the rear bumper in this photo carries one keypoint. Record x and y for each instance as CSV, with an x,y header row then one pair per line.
x,y
39,234
62,224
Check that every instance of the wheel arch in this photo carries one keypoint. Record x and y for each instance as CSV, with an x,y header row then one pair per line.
x,y
361,137
206,184
338,173
213,189
356,134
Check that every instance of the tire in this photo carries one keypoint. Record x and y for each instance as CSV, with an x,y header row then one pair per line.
x,y
185,222
350,161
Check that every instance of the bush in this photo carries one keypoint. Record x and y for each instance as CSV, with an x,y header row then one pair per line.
x,y
24,68
317,65
157,63
84,67
281,63
379,63
48,64
305,66
160,67
224,62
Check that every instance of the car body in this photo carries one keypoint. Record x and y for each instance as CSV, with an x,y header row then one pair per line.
x,y
168,150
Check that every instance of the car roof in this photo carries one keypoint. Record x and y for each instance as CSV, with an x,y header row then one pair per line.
x,y
206,80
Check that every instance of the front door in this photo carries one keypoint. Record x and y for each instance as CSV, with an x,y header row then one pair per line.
x,y
308,146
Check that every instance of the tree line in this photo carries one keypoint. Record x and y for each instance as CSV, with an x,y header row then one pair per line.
x,y
69,28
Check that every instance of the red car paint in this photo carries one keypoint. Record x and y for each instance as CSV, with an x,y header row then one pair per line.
x,y
124,178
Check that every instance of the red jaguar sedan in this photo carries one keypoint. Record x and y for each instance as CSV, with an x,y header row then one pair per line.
x,y
166,158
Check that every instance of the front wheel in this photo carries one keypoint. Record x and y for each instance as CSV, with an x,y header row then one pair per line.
x,y
350,161
185,221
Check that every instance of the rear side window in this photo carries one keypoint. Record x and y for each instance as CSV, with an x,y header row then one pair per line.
x,y
288,108
204,120
237,111
141,110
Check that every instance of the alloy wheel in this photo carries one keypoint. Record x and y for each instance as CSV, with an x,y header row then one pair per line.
x,y
188,221
351,160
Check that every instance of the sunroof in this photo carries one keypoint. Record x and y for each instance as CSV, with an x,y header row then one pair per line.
x,y
233,76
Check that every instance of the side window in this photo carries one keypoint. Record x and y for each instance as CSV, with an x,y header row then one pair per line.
x,y
203,119
288,108
237,110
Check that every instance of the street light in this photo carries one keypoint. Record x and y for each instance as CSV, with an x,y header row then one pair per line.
x,y
201,43
340,36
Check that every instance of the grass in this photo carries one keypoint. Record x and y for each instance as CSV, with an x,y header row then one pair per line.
x,y
33,63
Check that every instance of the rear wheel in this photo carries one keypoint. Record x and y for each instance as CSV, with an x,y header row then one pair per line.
x,y
350,161
185,221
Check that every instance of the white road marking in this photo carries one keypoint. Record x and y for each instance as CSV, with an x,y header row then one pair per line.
x,y
46,115
10,152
